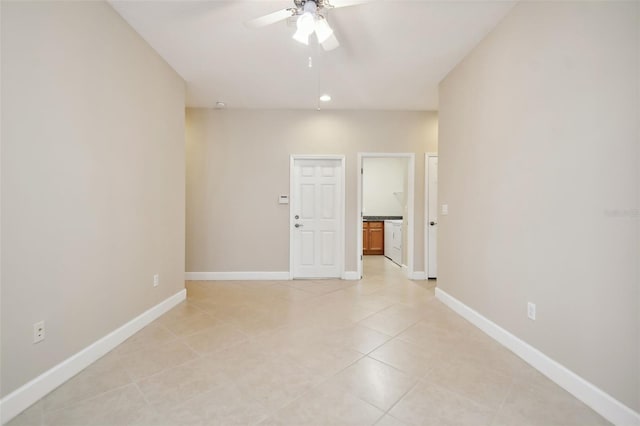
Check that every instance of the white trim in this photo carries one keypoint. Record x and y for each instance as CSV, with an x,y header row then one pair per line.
x,y
343,214
411,178
343,200
600,401
351,275
359,226
411,172
29,393
235,276
418,275
291,191
426,211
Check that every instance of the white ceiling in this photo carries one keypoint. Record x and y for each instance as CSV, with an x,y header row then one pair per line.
x,y
392,56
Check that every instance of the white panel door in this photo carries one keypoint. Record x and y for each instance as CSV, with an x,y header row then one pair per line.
x,y
432,218
316,218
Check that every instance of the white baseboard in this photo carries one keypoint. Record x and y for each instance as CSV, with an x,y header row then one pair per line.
x,y
252,276
237,276
351,275
29,393
600,401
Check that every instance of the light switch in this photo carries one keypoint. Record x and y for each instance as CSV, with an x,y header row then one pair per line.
x,y
445,209
283,199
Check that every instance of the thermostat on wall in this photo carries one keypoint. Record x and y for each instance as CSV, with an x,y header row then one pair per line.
x,y
283,199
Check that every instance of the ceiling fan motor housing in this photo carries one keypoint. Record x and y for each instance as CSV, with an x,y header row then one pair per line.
x,y
319,3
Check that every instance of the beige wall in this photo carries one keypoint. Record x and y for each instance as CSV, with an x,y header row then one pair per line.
x,y
92,180
539,160
238,164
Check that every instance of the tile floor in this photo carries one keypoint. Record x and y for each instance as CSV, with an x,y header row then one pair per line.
x,y
379,351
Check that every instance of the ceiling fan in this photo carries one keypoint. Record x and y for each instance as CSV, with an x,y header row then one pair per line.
x,y
311,18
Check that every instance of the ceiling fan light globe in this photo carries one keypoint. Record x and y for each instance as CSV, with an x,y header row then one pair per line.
x,y
323,30
331,43
305,23
301,37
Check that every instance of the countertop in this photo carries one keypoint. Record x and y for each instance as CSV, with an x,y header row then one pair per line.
x,y
380,218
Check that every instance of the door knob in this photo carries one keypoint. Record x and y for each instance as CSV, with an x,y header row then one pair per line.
x,y
297,217
432,223
297,225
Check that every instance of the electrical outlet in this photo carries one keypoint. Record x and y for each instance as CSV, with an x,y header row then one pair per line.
x,y
531,311
156,280
38,332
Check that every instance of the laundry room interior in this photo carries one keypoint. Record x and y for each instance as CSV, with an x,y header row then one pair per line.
x,y
384,208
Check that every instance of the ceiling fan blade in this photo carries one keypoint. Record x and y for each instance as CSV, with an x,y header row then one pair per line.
x,y
344,3
330,43
270,18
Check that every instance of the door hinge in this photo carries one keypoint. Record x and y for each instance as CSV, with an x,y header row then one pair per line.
x,y
361,171
360,257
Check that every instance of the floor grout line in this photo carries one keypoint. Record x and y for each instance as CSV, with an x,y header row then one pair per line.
x,y
495,415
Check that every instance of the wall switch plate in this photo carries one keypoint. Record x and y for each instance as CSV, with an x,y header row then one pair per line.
x,y
445,209
531,311
38,332
283,199
156,280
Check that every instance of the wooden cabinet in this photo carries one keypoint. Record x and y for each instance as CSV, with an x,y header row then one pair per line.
x,y
373,237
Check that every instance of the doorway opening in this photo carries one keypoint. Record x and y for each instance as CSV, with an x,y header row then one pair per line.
x,y
386,209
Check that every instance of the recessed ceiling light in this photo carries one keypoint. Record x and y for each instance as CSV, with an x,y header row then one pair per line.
x,y
325,98
221,105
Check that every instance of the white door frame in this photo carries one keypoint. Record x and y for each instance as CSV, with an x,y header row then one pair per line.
x,y
426,211
410,205
341,213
